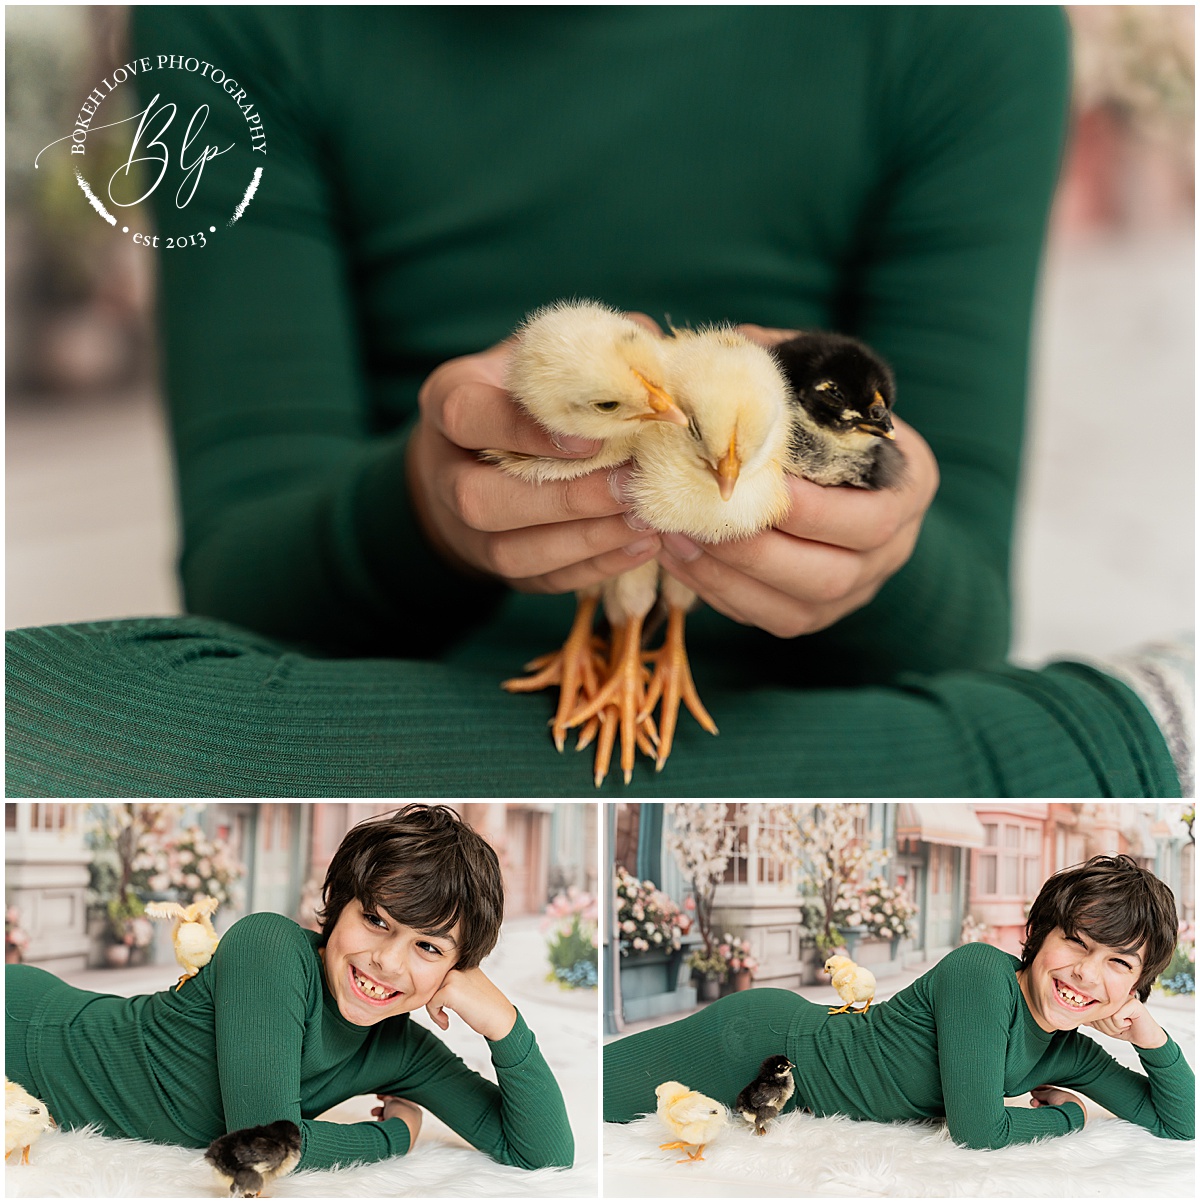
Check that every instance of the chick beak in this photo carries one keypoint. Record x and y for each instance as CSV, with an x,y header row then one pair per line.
x,y
879,426
727,469
662,405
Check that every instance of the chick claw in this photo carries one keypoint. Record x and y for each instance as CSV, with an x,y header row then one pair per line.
x,y
573,669
698,1155
672,681
617,702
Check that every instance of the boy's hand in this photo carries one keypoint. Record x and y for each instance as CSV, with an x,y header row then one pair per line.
x,y
394,1108
471,994
1051,1096
1133,1023
548,538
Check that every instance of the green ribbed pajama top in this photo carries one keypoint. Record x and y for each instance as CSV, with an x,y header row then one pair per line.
x,y
431,175
256,1036
955,1043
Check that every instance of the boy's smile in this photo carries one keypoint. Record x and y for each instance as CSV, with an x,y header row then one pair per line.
x,y
1073,980
376,966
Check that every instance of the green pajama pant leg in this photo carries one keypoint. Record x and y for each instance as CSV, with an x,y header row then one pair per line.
x,y
716,1051
193,707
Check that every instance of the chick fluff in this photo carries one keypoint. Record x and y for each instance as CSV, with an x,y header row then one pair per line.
x,y
853,984
843,394
692,1117
25,1119
249,1159
764,1098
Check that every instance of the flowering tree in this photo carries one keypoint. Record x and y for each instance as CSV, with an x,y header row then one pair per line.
x,y
829,857
702,838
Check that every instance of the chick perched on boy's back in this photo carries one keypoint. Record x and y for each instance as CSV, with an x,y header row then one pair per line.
x,y
853,984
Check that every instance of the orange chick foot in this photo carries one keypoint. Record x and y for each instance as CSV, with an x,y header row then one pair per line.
x,y
617,703
573,669
672,681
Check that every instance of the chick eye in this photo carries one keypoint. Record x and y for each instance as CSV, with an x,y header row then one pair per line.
x,y
694,429
878,413
830,387
606,407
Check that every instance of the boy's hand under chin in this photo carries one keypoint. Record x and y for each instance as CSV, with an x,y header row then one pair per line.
x,y
1133,1023
472,995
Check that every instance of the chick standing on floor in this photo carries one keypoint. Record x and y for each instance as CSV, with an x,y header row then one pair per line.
x,y
25,1119
764,1098
693,1117
249,1159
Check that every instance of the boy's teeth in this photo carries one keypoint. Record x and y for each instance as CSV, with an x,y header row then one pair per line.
x,y
370,988
1070,996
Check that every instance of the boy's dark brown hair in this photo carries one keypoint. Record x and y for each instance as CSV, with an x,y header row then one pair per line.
x,y
426,868
1114,901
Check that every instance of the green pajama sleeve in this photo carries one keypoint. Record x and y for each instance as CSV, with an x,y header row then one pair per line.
x,y
1162,1100
521,1122
264,994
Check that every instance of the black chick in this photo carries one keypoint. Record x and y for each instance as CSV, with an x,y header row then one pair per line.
x,y
247,1160
842,421
765,1097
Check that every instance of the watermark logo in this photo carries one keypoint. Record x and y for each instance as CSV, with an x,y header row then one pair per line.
x,y
164,146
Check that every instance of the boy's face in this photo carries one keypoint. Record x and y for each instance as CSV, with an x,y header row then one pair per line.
x,y
377,967
1073,981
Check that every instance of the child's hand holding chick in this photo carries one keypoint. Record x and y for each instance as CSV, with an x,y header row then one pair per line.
x,y
829,555
549,538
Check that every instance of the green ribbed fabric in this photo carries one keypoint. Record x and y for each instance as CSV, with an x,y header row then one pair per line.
x,y
432,175
955,1043
206,709
254,1037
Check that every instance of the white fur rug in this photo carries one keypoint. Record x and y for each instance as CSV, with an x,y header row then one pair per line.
x,y
83,1164
805,1156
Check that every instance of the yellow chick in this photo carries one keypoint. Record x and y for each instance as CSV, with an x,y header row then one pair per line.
x,y
853,984
25,1119
693,1117
194,936
581,368
722,478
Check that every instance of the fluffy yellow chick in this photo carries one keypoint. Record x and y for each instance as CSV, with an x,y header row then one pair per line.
x,y
722,478
852,982
25,1119
194,936
581,368
693,1117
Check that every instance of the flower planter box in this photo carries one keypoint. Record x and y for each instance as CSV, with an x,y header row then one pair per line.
x,y
651,985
